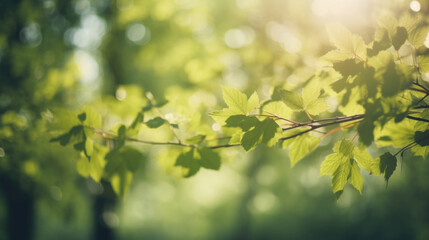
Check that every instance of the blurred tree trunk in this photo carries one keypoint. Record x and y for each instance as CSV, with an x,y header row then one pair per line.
x,y
19,207
243,222
104,204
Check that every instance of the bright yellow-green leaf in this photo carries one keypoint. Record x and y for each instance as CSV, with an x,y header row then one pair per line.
x,y
236,137
236,100
121,182
356,178
89,146
423,62
409,22
331,163
344,40
340,37
93,118
253,102
346,148
318,106
302,146
340,176
417,36
293,100
95,166
363,158
336,56
278,108
310,93
388,22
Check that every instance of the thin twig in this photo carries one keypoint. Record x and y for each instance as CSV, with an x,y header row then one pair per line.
x,y
149,97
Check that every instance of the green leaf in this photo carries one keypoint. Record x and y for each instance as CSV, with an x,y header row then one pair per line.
x,y
147,107
310,93
64,119
387,165
187,161
398,39
121,182
316,107
331,163
423,63
337,56
346,148
95,167
82,117
348,67
363,158
209,158
125,157
292,100
356,178
236,100
137,121
344,40
343,168
160,103
195,139
253,102
155,122
241,121
340,176
301,147
366,131
388,22
396,79
121,164
89,147
417,37
121,137
93,118
422,138
236,138
278,108
263,132
75,134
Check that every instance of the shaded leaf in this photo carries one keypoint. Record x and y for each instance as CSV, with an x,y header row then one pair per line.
x,y
209,158
387,165
263,132
398,39
422,138
187,161
155,122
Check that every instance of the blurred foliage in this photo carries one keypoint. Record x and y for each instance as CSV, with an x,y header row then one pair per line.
x,y
125,58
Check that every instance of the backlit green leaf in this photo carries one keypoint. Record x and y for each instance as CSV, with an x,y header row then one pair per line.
x,y
423,62
253,102
236,100
292,100
356,178
301,147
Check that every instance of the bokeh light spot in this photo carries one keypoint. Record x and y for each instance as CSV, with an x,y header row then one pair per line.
x,y
415,6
